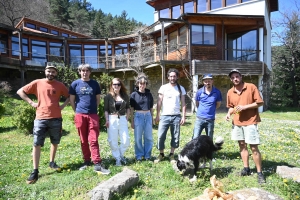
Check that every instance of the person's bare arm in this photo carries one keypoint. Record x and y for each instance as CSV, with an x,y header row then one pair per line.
x,y
183,108
24,96
72,102
158,106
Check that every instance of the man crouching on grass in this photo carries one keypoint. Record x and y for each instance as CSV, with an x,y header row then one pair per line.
x,y
48,115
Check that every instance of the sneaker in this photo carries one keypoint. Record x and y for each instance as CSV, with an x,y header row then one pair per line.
x,y
171,158
85,165
99,168
123,160
260,178
159,158
54,166
34,176
118,162
245,172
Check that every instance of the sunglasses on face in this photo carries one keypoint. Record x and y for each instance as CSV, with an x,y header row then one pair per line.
x,y
117,84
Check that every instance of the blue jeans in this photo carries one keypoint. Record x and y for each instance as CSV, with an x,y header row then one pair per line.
x,y
207,124
143,129
166,121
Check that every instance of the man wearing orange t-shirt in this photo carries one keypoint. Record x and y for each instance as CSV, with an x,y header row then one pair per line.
x,y
48,115
243,100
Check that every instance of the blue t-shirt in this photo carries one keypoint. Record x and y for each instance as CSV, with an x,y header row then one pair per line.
x,y
85,95
207,103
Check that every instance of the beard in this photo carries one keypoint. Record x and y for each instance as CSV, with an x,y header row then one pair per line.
x,y
50,77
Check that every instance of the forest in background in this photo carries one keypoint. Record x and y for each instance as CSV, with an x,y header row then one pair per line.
x,y
75,15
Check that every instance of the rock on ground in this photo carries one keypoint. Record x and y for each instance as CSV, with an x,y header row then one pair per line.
x,y
116,184
289,172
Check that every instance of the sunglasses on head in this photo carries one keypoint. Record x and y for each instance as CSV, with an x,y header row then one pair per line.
x,y
117,84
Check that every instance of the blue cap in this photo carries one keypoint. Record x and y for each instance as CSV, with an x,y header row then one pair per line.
x,y
207,76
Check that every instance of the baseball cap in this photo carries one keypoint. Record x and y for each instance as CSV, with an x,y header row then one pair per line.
x,y
207,76
234,71
51,65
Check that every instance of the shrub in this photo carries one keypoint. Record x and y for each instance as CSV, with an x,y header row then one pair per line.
x,y
101,115
24,115
2,109
66,75
5,88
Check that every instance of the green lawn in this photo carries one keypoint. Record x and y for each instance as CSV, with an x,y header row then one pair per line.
x,y
280,138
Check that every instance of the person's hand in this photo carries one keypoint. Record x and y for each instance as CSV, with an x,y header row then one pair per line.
x,y
107,124
182,121
157,119
227,117
34,104
132,124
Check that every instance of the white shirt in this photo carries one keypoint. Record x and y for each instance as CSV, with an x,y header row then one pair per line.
x,y
171,99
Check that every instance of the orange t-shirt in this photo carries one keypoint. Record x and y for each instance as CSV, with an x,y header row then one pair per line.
x,y
48,94
249,95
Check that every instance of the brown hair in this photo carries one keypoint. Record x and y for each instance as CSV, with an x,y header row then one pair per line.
x,y
142,78
123,90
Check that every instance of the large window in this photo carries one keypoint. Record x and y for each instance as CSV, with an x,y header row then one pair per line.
x,y
203,34
39,52
15,46
188,7
3,43
201,6
164,13
214,4
242,46
182,37
175,12
172,41
90,55
56,49
75,54
121,49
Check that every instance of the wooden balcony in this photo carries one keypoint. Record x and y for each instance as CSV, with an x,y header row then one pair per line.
x,y
223,67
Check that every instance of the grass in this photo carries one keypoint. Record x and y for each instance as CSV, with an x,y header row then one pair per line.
x,y
280,137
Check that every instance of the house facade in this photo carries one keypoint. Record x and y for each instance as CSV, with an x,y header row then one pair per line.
x,y
196,37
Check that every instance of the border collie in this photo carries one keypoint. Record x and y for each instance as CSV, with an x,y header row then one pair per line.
x,y
200,148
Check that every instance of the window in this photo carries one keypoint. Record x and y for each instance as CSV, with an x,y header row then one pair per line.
x,y
56,49
15,46
75,54
102,56
175,12
64,35
172,41
188,7
73,36
54,32
201,6
164,13
29,25
182,36
38,49
230,2
90,55
44,29
214,4
245,1
3,43
120,49
242,46
203,34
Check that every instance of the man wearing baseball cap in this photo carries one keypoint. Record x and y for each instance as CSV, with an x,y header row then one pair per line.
x,y
208,99
48,115
243,100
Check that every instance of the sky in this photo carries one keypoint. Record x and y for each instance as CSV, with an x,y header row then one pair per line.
x,y
142,12
137,9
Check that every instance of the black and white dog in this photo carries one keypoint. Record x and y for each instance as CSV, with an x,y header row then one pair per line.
x,y
200,148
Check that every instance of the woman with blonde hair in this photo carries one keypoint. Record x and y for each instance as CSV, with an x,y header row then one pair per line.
x,y
117,110
141,102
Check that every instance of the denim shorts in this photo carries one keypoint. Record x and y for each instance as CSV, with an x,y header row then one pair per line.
x,y
42,126
247,133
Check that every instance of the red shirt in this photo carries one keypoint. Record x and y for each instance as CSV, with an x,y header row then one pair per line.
x,y
48,94
249,95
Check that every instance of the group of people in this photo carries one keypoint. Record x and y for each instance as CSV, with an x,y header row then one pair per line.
x,y
243,99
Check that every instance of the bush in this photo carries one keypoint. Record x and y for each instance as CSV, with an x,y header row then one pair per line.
x,y
101,115
2,109
24,115
5,88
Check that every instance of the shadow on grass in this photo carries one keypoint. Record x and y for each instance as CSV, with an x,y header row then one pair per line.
x,y
7,129
284,109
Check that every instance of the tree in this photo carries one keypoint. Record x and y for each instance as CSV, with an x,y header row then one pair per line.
x,y
59,13
286,60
